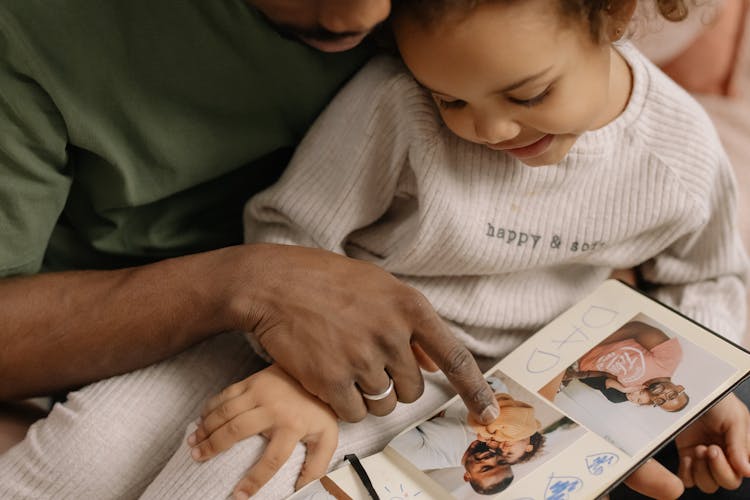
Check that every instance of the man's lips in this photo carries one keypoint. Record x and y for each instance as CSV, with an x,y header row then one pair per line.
x,y
334,45
529,150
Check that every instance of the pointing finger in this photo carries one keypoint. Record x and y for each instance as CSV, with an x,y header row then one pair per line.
x,y
455,360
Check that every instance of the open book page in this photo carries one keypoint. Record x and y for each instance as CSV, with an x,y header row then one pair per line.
x,y
583,402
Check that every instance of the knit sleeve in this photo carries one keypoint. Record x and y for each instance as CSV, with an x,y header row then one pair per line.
x,y
703,274
345,172
33,160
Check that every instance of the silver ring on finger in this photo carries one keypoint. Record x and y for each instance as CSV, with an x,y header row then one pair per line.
x,y
379,396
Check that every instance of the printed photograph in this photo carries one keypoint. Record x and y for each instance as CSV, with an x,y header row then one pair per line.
x,y
636,383
471,460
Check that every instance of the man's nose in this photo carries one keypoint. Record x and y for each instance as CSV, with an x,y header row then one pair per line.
x,y
353,16
493,128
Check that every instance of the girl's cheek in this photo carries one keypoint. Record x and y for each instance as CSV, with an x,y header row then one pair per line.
x,y
460,126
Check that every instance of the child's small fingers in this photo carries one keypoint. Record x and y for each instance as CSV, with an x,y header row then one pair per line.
x,y
318,457
279,449
230,392
721,470
654,480
686,471
226,411
198,435
738,445
702,475
243,426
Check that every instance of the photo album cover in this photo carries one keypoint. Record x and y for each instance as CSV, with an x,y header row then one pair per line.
x,y
583,402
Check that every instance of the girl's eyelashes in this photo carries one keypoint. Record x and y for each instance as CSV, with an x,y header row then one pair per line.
x,y
458,103
446,104
537,99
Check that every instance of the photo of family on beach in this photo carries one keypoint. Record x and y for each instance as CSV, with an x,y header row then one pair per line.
x,y
636,383
471,460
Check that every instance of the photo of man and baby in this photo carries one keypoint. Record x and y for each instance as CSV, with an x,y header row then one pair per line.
x,y
629,389
636,383
472,460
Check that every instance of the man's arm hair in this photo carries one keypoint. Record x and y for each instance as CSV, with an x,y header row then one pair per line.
x,y
66,329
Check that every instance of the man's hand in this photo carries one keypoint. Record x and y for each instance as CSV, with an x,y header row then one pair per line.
x,y
342,327
713,453
335,324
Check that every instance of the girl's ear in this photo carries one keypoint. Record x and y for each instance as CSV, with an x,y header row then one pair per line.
x,y
618,14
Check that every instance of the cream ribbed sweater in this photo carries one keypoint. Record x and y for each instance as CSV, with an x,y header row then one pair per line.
x,y
499,248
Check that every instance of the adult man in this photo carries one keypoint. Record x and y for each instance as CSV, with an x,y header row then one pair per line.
x,y
446,441
131,133
639,361
442,441
656,395
486,471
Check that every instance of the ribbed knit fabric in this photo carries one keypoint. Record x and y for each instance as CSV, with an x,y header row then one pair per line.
x,y
110,439
121,436
184,479
500,248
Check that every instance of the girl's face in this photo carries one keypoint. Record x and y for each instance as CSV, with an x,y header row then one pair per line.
x,y
517,77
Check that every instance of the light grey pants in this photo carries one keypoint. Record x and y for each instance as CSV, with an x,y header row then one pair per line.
x,y
124,437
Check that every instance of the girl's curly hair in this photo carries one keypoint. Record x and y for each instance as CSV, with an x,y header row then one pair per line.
x,y
428,12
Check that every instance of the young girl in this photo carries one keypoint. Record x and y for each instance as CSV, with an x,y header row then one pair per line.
x,y
515,159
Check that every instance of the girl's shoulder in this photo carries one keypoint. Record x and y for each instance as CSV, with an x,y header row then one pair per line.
x,y
667,110
385,93
671,124
386,74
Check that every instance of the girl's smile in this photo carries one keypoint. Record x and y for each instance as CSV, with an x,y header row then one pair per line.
x,y
527,151
516,77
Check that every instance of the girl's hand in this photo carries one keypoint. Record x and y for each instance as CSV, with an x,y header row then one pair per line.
x,y
714,449
713,453
273,404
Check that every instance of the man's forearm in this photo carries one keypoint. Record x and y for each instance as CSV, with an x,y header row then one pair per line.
x,y
61,330
306,307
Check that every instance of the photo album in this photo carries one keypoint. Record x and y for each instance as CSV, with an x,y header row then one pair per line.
x,y
583,402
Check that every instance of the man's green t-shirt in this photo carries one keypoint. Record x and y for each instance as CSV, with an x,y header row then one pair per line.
x,y
135,130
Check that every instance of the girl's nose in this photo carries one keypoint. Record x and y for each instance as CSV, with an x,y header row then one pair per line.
x,y
493,129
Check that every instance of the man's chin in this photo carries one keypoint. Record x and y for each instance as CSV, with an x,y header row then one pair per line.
x,y
338,45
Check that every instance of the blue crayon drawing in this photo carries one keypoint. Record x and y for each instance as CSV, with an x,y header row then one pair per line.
x,y
596,463
402,494
560,487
